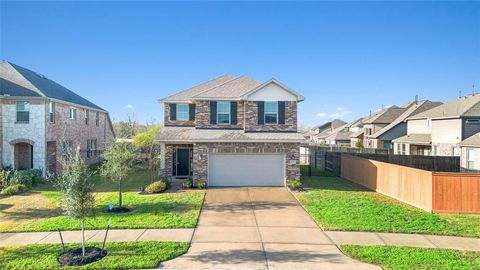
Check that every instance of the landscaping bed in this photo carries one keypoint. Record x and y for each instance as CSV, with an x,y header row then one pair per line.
x,y
120,255
406,258
338,204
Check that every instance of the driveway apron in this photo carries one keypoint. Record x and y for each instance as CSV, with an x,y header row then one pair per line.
x,y
259,228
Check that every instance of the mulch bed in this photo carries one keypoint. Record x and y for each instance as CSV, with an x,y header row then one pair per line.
x,y
74,257
119,210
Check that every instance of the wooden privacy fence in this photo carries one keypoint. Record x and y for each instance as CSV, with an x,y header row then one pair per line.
x,y
430,191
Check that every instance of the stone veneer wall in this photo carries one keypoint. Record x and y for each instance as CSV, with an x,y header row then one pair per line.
x,y
34,131
77,131
167,121
251,118
201,151
202,117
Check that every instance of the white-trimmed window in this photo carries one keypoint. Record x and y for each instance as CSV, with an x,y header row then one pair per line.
x,y
73,113
51,112
470,158
223,113
23,111
271,112
182,112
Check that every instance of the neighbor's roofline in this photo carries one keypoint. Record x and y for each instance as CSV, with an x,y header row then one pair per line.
x,y
54,100
223,140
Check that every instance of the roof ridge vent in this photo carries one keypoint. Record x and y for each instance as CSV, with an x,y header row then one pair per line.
x,y
41,75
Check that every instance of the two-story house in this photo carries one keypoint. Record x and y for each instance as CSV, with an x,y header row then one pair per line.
x,y
376,122
39,118
440,130
323,131
383,137
232,131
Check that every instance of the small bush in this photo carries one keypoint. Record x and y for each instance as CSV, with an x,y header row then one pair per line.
x,y
27,177
202,184
188,183
294,184
156,187
166,181
5,177
15,189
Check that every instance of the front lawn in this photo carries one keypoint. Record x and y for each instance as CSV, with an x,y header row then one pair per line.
x,y
338,204
37,210
406,258
120,255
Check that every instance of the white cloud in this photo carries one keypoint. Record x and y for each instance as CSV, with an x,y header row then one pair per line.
x,y
340,112
129,107
321,114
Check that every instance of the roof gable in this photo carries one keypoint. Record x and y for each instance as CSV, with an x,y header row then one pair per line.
x,y
273,90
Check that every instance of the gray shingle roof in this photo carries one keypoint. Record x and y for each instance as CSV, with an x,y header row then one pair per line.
x,y
473,140
415,138
185,95
12,89
191,134
27,79
385,116
466,106
231,89
411,109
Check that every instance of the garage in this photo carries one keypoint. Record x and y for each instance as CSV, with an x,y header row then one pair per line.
x,y
255,169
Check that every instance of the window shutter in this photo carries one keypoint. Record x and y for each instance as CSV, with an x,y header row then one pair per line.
x,y
261,112
233,112
191,112
281,112
173,111
213,112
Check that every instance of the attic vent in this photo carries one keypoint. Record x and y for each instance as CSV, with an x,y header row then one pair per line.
x,y
473,122
41,76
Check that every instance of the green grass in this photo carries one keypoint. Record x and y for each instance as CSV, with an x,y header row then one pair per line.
x,y
406,258
338,204
314,171
121,255
38,210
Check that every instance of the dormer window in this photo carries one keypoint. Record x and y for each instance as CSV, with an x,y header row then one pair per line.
x,y
223,113
271,112
182,112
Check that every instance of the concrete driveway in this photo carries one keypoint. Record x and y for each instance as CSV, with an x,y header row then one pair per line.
x,y
259,228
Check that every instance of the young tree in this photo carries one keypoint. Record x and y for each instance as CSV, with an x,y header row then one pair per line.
x,y
146,141
77,189
119,162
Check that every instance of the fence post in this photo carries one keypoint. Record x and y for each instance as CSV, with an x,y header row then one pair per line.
x,y
310,164
316,159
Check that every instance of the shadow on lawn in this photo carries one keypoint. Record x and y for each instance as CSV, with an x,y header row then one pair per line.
x,y
331,183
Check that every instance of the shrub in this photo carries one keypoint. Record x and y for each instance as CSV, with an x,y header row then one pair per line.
x,y
202,184
188,183
166,181
156,187
14,189
26,177
294,184
5,177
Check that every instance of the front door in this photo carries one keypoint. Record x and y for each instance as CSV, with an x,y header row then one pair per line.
x,y
183,162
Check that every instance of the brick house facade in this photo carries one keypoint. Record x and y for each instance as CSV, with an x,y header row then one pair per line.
x,y
248,133
37,115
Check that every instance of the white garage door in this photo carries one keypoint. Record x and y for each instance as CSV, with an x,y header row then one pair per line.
x,y
246,169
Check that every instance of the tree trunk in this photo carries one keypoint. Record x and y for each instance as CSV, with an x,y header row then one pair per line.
x,y
120,193
83,238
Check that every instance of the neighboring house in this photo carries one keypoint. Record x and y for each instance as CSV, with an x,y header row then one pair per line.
x,y
376,122
470,154
341,135
322,132
398,127
232,131
439,131
37,114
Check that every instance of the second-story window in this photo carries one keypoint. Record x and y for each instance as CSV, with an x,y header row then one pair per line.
x,y
73,113
223,113
271,112
51,112
182,112
23,111
86,117
97,119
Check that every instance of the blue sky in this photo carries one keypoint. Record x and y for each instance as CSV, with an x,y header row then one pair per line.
x,y
347,58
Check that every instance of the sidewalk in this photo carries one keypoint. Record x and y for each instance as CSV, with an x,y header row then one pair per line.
x,y
404,239
175,235
185,235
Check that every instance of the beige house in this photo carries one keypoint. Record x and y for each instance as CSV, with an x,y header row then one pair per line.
x,y
376,122
322,132
440,130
